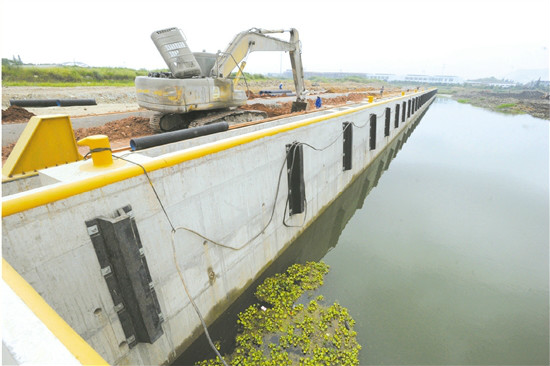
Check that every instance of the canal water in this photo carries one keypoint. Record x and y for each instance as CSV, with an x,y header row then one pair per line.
x,y
440,250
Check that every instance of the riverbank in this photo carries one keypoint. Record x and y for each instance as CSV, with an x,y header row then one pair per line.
x,y
513,101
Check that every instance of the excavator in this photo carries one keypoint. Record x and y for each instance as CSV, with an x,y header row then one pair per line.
x,y
198,89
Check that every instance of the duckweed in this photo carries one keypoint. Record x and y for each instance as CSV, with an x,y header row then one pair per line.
x,y
287,333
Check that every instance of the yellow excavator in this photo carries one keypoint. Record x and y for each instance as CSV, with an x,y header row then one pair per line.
x,y
198,90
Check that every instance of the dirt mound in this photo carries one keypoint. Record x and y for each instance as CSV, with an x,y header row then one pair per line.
x,y
16,114
279,109
352,97
120,129
272,110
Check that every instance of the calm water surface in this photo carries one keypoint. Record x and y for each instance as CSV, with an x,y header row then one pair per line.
x,y
446,259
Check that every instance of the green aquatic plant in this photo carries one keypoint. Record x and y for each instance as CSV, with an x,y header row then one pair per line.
x,y
289,329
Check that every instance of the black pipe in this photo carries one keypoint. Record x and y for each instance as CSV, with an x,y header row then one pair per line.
x,y
34,102
141,143
52,102
75,102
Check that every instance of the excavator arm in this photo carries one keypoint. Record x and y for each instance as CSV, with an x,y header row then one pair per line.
x,y
257,40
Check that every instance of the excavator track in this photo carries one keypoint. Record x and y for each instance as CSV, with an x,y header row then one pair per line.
x,y
231,117
161,122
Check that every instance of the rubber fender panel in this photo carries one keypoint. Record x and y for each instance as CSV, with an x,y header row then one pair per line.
x,y
124,267
295,178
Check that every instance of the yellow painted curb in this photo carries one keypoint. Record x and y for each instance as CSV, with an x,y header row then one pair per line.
x,y
74,343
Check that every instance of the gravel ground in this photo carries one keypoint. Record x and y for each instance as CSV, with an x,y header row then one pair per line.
x,y
109,99
102,94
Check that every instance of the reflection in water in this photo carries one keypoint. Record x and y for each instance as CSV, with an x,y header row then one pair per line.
x,y
446,261
318,239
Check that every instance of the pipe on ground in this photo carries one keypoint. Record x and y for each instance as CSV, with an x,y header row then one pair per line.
x,y
146,142
52,102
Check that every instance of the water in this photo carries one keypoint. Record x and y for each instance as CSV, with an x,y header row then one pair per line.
x,y
446,260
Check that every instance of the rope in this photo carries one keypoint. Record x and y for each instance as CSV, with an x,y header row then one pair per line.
x,y
192,301
239,67
99,149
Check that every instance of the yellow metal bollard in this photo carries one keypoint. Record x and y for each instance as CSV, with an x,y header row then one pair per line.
x,y
371,98
100,149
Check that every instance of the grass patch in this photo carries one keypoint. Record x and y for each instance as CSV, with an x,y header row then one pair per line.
x,y
17,75
506,105
355,79
463,101
69,84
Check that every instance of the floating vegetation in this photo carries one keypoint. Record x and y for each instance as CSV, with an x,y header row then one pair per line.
x,y
291,329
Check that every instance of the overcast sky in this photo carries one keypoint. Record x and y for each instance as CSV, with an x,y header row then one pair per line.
x,y
467,38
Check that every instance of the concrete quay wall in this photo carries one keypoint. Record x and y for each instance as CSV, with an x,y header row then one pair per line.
x,y
216,218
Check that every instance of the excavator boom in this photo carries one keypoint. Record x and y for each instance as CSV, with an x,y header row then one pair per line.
x,y
258,40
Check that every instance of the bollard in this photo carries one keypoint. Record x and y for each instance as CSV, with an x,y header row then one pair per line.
x,y
100,148
371,98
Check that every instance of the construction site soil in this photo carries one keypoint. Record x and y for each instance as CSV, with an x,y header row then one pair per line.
x,y
121,131
16,114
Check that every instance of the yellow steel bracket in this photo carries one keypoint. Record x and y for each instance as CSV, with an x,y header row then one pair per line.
x,y
46,141
239,73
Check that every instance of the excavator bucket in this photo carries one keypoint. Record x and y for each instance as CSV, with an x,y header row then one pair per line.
x,y
298,107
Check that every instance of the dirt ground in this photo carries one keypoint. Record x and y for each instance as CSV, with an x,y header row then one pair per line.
x,y
121,131
16,114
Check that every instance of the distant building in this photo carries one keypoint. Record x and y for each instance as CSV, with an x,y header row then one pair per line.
x,y
438,79
491,84
383,77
